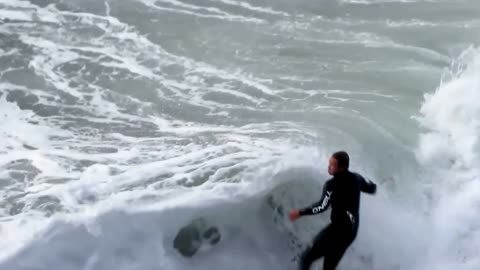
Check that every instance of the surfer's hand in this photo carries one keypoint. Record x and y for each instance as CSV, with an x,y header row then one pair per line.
x,y
294,214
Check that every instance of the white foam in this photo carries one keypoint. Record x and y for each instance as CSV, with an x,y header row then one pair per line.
x,y
129,56
451,115
248,6
17,233
14,15
190,10
449,149
192,7
52,55
25,11
16,131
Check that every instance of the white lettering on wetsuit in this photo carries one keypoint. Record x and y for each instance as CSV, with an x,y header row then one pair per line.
x,y
324,203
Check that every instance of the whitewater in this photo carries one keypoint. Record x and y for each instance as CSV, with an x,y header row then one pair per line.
x,y
178,134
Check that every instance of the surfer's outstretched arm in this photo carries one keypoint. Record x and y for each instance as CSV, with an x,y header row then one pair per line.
x,y
367,186
322,205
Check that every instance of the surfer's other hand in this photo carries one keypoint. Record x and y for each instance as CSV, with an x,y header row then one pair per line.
x,y
294,214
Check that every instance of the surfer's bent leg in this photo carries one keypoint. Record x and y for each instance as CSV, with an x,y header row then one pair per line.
x,y
343,238
317,249
334,255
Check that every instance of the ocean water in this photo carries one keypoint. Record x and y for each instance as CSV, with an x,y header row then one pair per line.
x,y
177,134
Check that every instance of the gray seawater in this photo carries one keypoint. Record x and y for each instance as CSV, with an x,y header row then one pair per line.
x,y
122,122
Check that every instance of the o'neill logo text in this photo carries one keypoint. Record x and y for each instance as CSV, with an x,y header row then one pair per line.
x,y
324,203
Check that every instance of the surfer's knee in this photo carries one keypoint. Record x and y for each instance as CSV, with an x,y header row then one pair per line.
x,y
306,259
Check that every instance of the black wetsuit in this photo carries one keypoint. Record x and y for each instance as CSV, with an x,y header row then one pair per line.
x,y
342,192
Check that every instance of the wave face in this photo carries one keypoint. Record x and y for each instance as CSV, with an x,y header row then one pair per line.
x,y
177,134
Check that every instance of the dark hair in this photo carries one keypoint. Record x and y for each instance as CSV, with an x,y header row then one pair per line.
x,y
342,158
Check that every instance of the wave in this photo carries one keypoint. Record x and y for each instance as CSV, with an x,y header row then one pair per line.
x,y
234,226
244,224
449,150
248,228
89,184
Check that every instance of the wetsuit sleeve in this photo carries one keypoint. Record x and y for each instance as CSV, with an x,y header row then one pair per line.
x,y
322,205
367,186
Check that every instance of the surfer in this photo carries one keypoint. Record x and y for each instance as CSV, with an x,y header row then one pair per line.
x,y
342,193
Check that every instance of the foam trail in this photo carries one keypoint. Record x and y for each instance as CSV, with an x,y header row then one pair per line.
x,y
190,10
251,7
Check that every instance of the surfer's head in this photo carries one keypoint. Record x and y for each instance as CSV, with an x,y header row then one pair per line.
x,y
339,161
